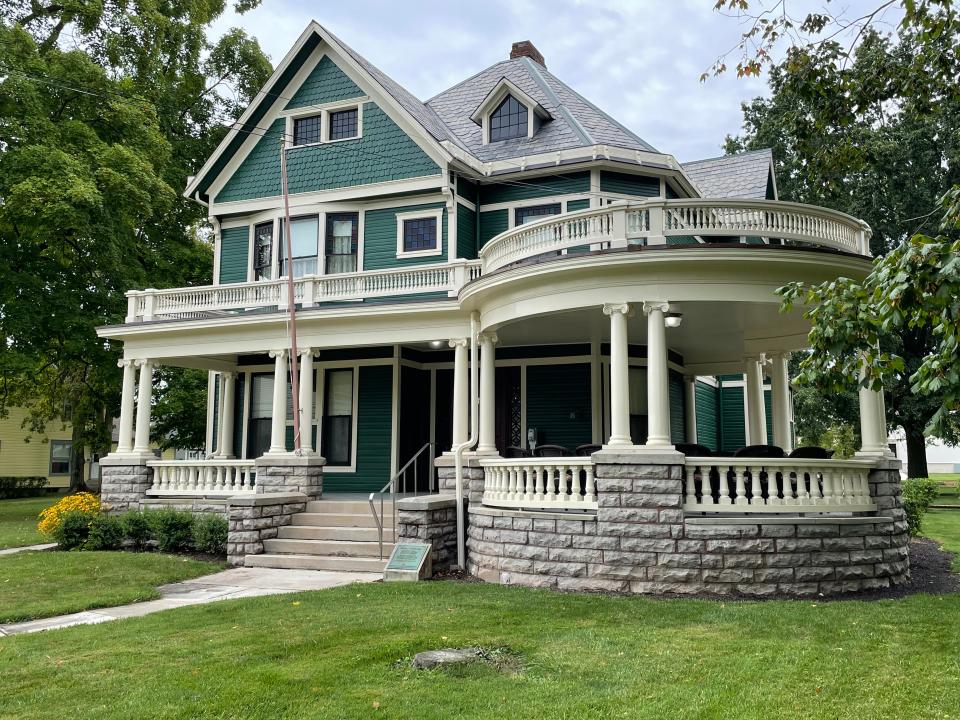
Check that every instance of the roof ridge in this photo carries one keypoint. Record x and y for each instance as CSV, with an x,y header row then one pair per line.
x,y
542,84
730,155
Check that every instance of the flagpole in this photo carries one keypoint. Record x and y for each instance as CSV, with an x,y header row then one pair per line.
x,y
291,305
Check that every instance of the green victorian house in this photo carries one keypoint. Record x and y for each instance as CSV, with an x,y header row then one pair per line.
x,y
504,292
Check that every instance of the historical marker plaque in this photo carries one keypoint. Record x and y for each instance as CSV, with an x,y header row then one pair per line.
x,y
408,561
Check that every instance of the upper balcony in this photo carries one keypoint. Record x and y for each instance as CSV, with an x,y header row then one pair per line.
x,y
680,224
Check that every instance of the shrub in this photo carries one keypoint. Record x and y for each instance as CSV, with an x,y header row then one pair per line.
x,y
918,494
106,533
210,534
173,530
19,487
52,517
137,528
73,529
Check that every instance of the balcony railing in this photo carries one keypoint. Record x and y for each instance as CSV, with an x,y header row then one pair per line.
x,y
654,222
737,485
311,290
201,477
561,483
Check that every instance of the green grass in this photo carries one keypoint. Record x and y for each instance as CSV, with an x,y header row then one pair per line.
x,y
336,653
944,527
43,584
18,520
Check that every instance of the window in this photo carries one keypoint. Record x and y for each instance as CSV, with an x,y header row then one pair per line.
x,y
341,246
419,234
343,124
509,120
60,452
303,236
261,410
638,404
535,212
262,251
337,441
306,130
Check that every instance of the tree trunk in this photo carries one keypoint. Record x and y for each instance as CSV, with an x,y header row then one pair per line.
x,y
916,452
77,460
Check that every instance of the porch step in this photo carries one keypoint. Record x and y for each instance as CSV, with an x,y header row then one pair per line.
x,y
346,506
329,519
315,532
335,548
316,562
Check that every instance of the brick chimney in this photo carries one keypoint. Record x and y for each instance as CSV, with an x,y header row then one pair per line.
x,y
525,48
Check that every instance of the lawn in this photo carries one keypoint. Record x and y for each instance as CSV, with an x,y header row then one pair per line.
x,y
43,584
949,488
944,527
342,653
18,520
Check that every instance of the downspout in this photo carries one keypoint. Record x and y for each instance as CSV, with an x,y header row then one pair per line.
x,y
471,441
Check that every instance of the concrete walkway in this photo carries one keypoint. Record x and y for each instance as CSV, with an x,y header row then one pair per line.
x,y
226,585
25,548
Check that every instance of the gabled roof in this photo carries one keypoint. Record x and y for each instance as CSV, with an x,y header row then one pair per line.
x,y
745,175
576,122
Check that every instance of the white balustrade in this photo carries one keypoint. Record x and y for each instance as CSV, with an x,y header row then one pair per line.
x,y
781,485
542,483
201,477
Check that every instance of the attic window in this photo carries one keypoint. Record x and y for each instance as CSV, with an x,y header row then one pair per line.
x,y
509,120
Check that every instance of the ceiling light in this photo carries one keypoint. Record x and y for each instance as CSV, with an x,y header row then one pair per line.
x,y
673,319
436,343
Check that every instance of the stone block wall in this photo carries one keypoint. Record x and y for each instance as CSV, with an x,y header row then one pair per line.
x,y
639,541
430,519
255,518
290,474
472,477
124,483
216,506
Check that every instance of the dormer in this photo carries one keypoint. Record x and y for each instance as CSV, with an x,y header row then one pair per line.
x,y
507,112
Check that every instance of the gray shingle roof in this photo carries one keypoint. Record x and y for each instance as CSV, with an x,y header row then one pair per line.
x,y
732,176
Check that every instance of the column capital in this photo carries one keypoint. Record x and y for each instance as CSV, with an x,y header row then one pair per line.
x,y
650,305
458,342
490,337
282,353
228,375
126,362
611,308
143,362
306,352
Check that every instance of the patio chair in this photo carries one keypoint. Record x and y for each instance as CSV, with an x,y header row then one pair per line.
x,y
516,452
585,450
813,452
694,449
551,451
760,451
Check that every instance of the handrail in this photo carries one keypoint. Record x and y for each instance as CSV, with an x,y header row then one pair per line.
x,y
399,475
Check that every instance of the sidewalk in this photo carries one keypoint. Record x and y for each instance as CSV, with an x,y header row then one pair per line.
x,y
27,548
226,585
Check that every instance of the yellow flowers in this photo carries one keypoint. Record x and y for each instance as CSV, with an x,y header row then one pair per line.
x,y
52,517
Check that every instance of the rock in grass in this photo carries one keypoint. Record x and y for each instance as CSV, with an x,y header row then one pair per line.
x,y
446,656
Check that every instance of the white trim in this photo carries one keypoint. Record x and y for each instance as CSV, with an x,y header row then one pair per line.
x,y
316,109
395,411
324,115
466,203
321,369
245,420
596,392
217,249
402,217
495,97
208,440
361,232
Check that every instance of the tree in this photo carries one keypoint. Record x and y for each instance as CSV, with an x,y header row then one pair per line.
x,y
105,108
177,424
872,129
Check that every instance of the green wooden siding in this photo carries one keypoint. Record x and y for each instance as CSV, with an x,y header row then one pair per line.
x,y
535,187
706,404
768,413
466,232
384,153
380,238
234,250
466,189
492,222
733,431
327,83
678,413
560,417
216,411
624,184
578,204
373,439
238,398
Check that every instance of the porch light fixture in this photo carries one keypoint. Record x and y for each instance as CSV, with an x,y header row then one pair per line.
x,y
673,319
436,343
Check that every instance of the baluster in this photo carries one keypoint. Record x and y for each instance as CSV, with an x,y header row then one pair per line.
x,y
513,491
753,485
691,489
772,496
551,493
829,491
590,489
847,489
725,497
864,491
741,496
813,497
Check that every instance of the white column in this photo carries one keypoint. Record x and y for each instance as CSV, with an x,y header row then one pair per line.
x,y
461,388
306,400
619,376
144,400
780,399
756,411
873,434
278,427
690,409
658,379
225,431
125,443
487,443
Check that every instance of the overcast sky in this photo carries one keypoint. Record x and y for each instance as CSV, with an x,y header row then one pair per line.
x,y
639,60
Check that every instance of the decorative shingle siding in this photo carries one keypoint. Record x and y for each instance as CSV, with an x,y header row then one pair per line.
x,y
578,204
327,83
535,187
234,250
625,184
380,238
492,222
561,418
678,411
706,404
466,232
384,153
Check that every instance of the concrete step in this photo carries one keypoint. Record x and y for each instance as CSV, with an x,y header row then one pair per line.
x,y
311,532
330,519
346,506
316,562
339,548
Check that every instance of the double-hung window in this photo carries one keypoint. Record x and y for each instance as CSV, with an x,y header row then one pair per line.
x,y
303,236
534,212
337,441
263,251
341,242
60,452
261,411
326,126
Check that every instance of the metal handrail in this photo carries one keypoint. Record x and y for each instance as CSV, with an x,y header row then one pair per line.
x,y
391,486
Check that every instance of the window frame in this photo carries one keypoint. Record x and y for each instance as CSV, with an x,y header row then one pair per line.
x,y
323,113
321,411
69,445
526,208
269,267
356,241
281,244
431,214
522,127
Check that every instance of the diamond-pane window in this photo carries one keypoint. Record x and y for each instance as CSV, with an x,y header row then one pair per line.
x,y
509,120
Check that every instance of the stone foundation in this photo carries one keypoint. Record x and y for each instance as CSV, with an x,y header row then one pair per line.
x,y
290,474
430,519
255,518
472,477
640,541
124,482
217,505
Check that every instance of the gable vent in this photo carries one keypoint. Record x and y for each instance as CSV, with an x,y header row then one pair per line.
x,y
525,48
